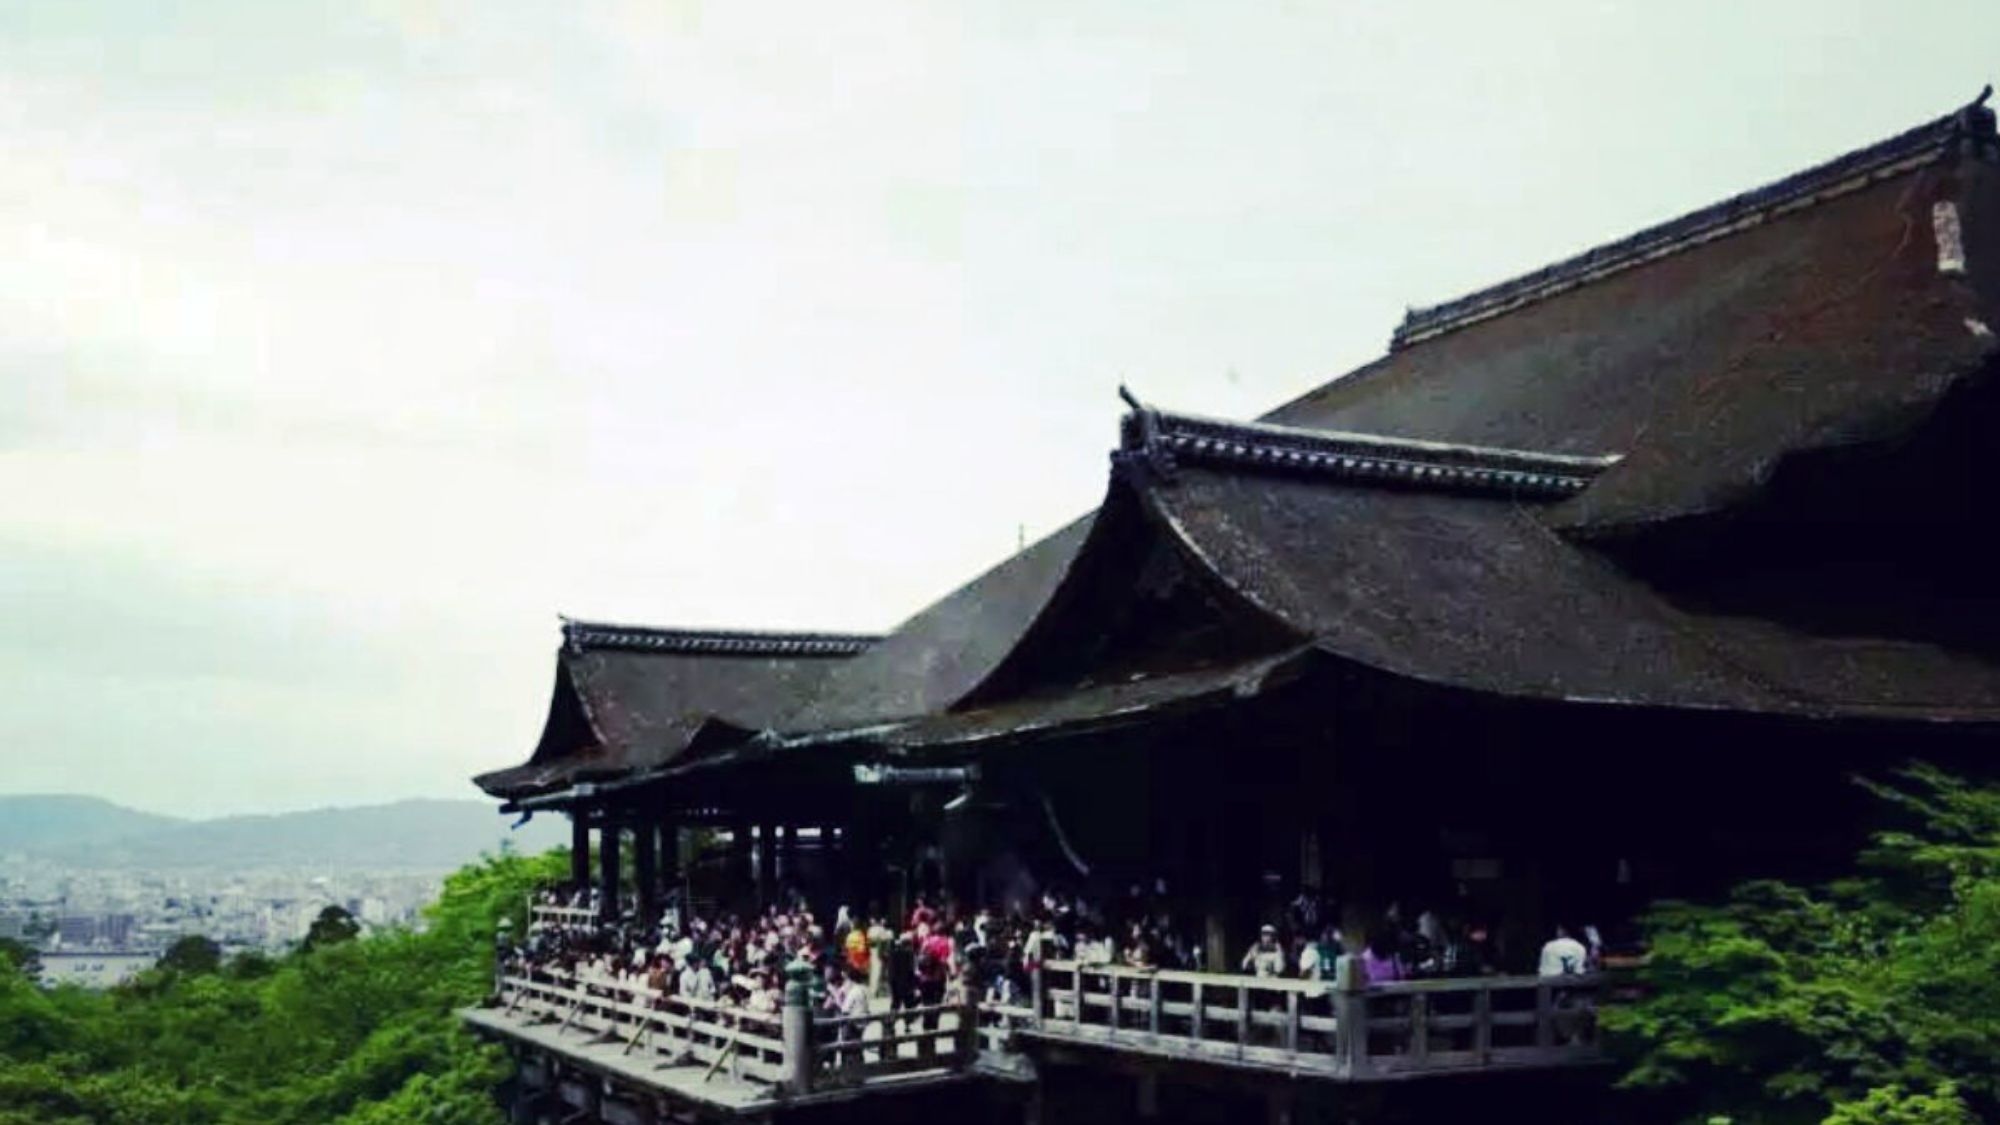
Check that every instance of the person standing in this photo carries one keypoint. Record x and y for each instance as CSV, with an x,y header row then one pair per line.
x,y
1267,957
879,940
1563,955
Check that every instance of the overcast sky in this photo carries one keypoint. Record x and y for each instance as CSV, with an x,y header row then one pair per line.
x,y
345,344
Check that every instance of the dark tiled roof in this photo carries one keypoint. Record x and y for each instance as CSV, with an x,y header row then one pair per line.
x,y
1970,128
1705,368
1479,594
630,699
937,657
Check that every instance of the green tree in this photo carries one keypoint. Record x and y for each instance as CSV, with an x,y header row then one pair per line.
x,y
22,957
1872,1000
191,954
333,926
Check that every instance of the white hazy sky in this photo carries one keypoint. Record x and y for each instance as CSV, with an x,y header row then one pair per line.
x,y
344,343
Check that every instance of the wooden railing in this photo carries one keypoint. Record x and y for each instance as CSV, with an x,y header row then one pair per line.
x,y
560,916
1342,1030
1346,1030
787,1048
743,1043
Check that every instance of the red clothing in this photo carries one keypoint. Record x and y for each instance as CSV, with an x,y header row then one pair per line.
x,y
934,957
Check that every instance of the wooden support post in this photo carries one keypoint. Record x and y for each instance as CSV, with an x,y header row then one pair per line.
x,y
1545,1022
669,849
1200,1011
1420,1028
797,1028
1350,1014
579,850
1035,992
607,871
1278,1106
739,860
967,1048
1153,1010
1482,1025
767,862
1111,989
1149,1094
646,889
1291,1023
1243,1003
1031,1106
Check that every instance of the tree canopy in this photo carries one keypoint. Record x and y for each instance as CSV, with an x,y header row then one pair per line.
x,y
192,954
1871,1000
346,1030
333,926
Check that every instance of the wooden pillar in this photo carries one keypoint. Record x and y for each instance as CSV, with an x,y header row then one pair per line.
x,y
857,858
1149,1094
579,850
646,886
1216,900
740,873
607,870
787,869
669,849
767,860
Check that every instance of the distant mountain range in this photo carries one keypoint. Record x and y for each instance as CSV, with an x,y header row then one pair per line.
x,y
409,835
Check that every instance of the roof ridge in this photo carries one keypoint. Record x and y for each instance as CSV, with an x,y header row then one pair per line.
x,y
1970,129
1164,440
579,636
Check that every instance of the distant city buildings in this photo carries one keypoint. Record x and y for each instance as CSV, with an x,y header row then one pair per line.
x,y
96,926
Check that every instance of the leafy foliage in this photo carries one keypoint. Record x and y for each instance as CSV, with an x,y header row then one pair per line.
x,y
1873,1000
192,955
354,1031
333,926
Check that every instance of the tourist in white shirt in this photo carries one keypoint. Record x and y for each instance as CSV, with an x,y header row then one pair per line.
x,y
1564,956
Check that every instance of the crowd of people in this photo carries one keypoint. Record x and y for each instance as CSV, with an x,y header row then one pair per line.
x,y
940,954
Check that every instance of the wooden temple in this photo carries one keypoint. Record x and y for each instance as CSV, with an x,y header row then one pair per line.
x,y
1597,588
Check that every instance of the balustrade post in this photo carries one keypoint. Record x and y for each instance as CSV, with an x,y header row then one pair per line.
x,y
1482,1024
796,1024
1291,1022
1545,1026
1035,991
1350,1016
968,1034
1243,1002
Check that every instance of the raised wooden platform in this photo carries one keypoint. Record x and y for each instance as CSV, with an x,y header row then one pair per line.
x,y
624,1054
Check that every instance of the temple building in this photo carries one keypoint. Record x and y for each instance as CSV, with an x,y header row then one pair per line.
x,y
1598,587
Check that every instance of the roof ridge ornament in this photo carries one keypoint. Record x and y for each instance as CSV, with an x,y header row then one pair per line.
x,y
1369,458
1140,449
1978,130
582,636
